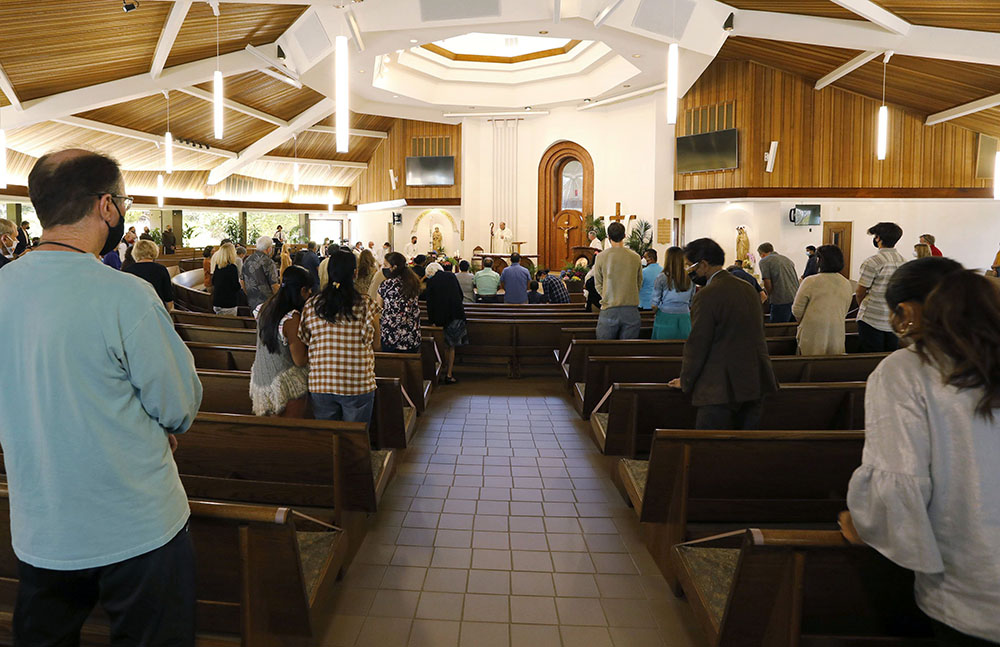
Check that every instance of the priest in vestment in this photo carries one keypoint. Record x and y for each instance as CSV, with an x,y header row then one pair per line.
x,y
506,236
595,242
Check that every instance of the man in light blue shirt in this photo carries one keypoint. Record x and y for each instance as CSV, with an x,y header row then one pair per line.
x,y
650,271
97,384
515,278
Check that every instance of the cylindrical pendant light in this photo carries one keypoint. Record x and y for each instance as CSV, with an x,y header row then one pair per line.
x,y
295,166
159,190
342,89
168,142
673,55
996,176
217,85
882,145
329,199
3,159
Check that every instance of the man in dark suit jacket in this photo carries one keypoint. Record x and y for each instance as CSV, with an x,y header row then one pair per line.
x,y
23,238
310,261
726,370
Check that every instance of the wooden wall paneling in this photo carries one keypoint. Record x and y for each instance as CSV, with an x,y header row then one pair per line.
x,y
269,95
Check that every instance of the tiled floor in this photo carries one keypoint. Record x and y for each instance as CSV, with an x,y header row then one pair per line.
x,y
502,528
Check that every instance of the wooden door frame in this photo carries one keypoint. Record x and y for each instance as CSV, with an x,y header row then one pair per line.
x,y
549,196
849,236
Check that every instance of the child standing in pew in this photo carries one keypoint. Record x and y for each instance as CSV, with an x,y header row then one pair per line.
x,y
927,495
278,377
341,328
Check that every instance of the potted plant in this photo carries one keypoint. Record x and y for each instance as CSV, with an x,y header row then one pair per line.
x,y
573,276
640,238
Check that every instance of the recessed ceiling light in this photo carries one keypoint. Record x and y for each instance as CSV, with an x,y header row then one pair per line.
x,y
543,31
361,71
472,107
586,100
636,55
395,96
527,107
626,86
413,40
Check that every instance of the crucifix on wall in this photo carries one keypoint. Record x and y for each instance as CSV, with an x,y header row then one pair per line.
x,y
566,229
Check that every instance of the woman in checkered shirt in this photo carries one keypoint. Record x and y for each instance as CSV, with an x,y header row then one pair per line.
x,y
341,328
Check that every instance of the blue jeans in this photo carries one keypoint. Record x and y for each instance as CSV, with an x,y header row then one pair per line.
x,y
781,313
620,322
349,408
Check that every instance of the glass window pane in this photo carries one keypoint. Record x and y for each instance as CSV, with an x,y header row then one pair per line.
x,y
572,186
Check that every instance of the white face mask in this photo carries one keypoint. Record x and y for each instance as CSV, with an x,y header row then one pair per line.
x,y
644,262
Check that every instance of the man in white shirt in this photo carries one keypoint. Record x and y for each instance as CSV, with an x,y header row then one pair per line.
x,y
410,251
506,236
874,328
595,242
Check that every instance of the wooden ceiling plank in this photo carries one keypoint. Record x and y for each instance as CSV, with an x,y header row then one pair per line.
x,y
171,27
308,118
234,105
845,69
130,88
355,132
963,110
876,14
313,162
131,133
8,90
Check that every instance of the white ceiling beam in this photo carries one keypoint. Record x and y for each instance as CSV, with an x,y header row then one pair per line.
x,y
927,42
273,62
171,27
965,109
355,132
205,95
130,88
847,68
877,15
605,13
8,90
306,119
111,129
308,161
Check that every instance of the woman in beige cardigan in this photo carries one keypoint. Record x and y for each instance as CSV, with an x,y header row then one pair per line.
x,y
821,305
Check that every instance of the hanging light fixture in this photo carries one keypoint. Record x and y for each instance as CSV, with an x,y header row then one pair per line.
x,y
343,118
3,158
329,198
217,83
673,63
295,166
996,173
159,190
883,115
168,142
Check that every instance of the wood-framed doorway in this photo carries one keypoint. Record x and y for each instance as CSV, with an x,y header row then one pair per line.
x,y
841,235
559,230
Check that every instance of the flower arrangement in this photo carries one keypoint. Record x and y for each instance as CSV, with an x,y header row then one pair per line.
x,y
573,273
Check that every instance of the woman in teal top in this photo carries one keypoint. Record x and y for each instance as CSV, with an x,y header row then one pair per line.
x,y
672,296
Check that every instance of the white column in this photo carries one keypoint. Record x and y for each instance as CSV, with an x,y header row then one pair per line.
x,y
505,176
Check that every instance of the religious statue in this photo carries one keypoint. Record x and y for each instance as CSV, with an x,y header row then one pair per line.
x,y
506,236
742,244
437,240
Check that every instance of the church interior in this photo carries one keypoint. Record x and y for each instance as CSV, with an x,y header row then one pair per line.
x,y
564,492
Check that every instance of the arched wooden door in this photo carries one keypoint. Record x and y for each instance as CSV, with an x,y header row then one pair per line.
x,y
565,198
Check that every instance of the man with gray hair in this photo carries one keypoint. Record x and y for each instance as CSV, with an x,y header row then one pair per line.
x,y
99,384
260,274
8,241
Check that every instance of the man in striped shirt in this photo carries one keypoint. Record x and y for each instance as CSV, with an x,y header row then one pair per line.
x,y
874,328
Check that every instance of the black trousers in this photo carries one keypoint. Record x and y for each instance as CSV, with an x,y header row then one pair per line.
x,y
149,599
736,415
876,341
948,637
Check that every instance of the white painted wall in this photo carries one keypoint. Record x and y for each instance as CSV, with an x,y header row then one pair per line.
x,y
966,230
373,226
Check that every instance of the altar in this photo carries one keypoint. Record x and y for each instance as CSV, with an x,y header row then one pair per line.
x,y
500,261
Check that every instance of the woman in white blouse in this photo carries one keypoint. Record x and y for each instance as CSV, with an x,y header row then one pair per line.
x,y
927,494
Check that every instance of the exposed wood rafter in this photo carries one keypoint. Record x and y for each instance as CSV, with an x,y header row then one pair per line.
x,y
171,27
965,109
355,132
845,69
111,129
307,161
306,119
877,15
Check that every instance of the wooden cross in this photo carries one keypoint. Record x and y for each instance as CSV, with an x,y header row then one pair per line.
x,y
618,217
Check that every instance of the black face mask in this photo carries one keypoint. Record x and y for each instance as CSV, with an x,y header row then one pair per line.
x,y
114,233
700,281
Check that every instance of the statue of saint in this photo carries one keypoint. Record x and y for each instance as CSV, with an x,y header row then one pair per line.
x,y
742,245
437,240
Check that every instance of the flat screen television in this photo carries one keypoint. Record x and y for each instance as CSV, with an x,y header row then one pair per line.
x,y
805,215
715,151
430,171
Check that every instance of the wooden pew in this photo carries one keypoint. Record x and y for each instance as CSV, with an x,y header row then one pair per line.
x,y
699,483
393,415
575,364
217,335
602,372
786,588
625,421
213,320
262,575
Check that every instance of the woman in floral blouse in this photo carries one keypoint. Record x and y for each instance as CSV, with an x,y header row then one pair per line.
x,y
400,310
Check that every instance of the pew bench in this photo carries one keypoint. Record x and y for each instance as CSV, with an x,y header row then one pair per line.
x,y
212,320
262,575
789,588
602,372
698,483
626,420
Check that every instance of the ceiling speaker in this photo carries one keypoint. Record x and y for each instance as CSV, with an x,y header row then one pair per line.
x,y
458,9
663,19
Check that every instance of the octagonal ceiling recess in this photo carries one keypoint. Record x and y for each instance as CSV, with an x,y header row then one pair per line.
x,y
502,70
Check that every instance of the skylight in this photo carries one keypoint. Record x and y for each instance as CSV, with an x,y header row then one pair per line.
x,y
477,44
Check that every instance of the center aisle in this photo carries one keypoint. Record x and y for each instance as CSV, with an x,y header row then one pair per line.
x,y
503,528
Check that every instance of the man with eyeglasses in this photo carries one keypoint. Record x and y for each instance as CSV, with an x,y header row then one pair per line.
x,y
98,385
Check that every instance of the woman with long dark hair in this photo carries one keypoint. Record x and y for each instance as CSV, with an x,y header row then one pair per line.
x,y
927,494
445,309
400,311
367,267
278,377
821,306
341,328
672,296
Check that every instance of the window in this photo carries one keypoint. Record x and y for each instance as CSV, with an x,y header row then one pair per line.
x,y
571,179
260,223
323,229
